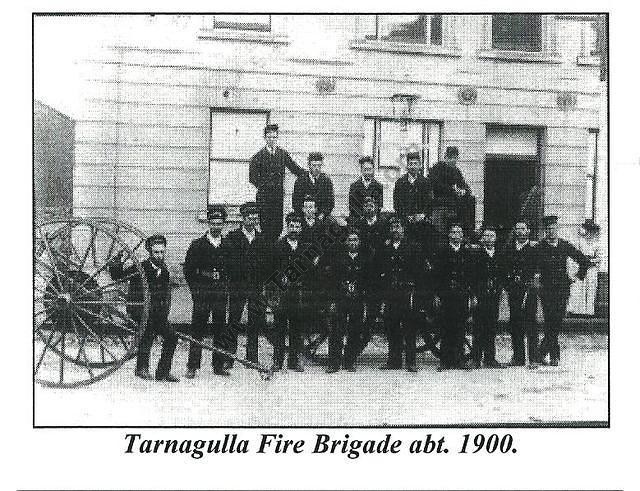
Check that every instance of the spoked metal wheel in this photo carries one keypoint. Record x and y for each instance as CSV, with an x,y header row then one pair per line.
x,y
86,322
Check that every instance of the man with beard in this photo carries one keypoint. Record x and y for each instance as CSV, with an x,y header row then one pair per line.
x,y
552,254
266,173
347,306
487,284
519,267
248,249
452,271
365,187
316,184
398,274
157,275
206,270
412,199
291,281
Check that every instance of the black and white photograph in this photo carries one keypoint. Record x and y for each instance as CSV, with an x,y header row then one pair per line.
x,y
321,220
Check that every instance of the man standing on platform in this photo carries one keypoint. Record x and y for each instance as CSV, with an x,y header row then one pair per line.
x,y
519,266
451,194
206,270
315,184
365,186
266,173
412,200
552,254
247,249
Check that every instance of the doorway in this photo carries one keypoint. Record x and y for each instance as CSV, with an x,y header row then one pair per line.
x,y
512,179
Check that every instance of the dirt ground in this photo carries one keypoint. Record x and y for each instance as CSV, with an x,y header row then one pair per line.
x,y
576,391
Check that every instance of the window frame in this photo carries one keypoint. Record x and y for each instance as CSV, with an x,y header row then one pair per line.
x,y
522,47
428,35
425,144
239,26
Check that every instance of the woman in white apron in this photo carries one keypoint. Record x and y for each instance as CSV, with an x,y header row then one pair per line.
x,y
583,292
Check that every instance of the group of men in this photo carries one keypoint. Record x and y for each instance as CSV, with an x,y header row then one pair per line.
x,y
395,270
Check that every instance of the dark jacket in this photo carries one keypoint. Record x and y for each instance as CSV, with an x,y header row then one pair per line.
x,y
357,193
398,269
453,271
266,173
321,190
552,265
157,280
207,269
350,278
441,178
518,267
372,237
487,279
409,199
247,260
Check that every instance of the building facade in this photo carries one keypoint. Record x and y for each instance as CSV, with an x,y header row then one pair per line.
x,y
174,108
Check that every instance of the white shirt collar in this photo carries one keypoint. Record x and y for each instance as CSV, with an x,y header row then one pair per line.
x,y
553,244
519,246
310,223
396,245
491,251
249,235
353,255
455,248
215,241
157,269
292,243
270,150
411,178
311,178
371,221
365,182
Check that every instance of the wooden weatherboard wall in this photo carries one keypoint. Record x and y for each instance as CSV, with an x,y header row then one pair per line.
x,y
142,142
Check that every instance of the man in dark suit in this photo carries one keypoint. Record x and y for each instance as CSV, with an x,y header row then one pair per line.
x,y
398,273
412,200
248,249
452,199
291,281
552,255
373,230
487,286
157,275
206,270
519,267
452,271
349,278
315,184
365,186
266,173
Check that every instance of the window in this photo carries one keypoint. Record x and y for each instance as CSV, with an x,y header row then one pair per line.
x,y
516,32
235,137
389,140
591,181
243,22
408,28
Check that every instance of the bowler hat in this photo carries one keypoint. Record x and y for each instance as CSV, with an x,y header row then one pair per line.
x,y
216,212
248,208
155,239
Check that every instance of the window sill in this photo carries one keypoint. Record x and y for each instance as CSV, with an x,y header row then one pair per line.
x,y
243,36
400,47
588,60
526,56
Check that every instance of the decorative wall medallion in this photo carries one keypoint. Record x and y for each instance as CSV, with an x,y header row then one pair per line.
x,y
566,100
326,85
468,95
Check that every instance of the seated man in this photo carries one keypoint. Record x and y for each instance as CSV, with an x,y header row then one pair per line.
x,y
157,276
452,199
